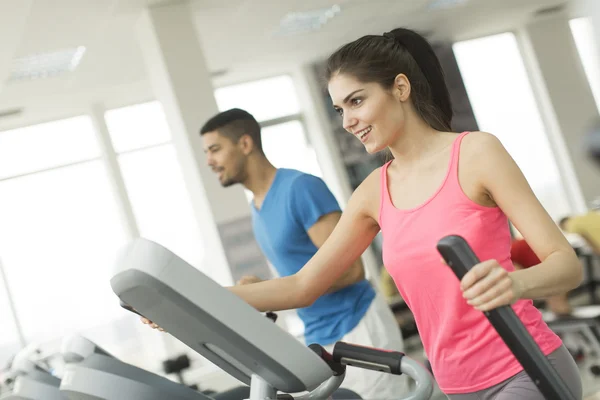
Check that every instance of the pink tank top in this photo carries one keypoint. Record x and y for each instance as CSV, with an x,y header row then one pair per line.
x,y
465,352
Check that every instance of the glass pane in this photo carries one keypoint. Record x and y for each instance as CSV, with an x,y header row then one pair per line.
x,y
512,115
59,234
583,33
264,99
161,202
285,145
47,145
137,126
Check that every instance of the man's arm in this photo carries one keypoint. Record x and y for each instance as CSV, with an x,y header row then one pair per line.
x,y
574,226
319,233
590,242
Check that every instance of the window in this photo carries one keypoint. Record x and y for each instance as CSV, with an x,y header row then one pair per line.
x,y
160,201
512,115
48,145
285,145
137,126
59,233
583,33
154,179
265,99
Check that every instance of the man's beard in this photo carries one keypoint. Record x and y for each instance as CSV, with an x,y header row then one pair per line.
x,y
230,181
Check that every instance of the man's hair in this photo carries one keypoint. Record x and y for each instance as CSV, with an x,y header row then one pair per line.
x,y
234,124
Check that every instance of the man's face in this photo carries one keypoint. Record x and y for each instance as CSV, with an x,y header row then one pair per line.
x,y
224,157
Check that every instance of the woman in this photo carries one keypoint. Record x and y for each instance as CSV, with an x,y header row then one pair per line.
x,y
390,93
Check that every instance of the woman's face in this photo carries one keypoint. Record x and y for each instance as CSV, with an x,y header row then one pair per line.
x,y
375,116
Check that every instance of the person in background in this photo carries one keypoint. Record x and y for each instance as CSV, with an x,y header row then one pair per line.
x,y
293,214
587,226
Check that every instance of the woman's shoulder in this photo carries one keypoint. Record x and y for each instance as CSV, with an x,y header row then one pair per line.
x,y
478,140
478,148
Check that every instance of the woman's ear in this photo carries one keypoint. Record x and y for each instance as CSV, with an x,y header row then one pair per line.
x,y
402,87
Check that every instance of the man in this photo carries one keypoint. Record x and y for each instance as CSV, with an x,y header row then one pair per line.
x,y
293,213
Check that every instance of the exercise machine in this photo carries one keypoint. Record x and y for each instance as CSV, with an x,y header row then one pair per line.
x,y
30,381
152,281
460,257
91,373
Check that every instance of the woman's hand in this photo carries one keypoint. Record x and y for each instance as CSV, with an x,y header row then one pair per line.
x,y
487,286
146,321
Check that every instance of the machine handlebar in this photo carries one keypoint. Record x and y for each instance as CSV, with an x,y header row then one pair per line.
x,y
460,257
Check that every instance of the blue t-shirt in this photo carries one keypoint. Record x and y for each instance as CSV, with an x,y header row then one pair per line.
x,y
294,202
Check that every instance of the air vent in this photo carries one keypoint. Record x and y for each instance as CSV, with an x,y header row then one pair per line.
x,y
307,21
45,65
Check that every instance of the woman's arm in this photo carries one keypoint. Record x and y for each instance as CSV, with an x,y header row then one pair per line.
x,y
352,235
488,285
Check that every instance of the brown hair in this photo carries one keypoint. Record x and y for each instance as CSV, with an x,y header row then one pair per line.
x,y
381,58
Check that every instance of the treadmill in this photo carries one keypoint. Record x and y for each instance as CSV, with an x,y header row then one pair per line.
x,y
152,281
31,381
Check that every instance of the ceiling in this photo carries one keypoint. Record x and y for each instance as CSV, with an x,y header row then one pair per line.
x,y
237,37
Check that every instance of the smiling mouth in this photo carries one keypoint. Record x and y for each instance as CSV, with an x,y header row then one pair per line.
x,y
362,134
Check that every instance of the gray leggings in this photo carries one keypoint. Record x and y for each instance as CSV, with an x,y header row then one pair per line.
x,y
521,387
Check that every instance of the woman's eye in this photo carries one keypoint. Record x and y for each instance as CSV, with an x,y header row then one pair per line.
x,y
356,102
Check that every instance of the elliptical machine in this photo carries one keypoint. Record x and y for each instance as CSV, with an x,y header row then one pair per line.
x,y
93,373
30,381
152,281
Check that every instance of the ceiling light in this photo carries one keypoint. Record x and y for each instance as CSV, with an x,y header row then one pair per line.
x,y
44,65
307,21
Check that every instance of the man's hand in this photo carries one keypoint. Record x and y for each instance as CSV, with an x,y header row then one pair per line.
x,y
248,279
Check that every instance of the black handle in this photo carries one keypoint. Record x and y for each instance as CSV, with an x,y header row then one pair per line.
x,y
337,368
460,257
271,315
368,358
